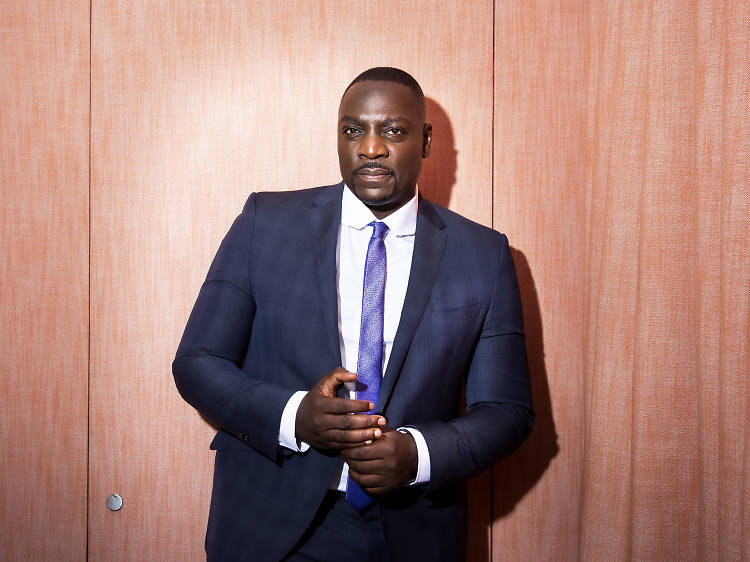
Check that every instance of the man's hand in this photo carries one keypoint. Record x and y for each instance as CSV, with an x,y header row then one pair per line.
x,y
327,422
386,465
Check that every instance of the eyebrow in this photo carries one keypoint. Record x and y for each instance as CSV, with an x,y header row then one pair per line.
x,y
389,121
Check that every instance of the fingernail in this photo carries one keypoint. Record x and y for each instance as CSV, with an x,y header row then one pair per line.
x,y
372,405
381,421
378,433
368,442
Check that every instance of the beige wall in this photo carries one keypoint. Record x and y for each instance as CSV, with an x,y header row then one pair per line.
x,y
609,140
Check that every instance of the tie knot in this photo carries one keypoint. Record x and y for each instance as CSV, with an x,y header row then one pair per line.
x,y
379,229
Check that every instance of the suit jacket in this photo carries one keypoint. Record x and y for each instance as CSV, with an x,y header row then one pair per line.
x,y
265,325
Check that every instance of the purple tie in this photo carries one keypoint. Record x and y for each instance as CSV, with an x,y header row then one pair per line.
x,y
370,356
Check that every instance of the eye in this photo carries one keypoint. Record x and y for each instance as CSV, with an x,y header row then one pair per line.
x,y
350,131
394,132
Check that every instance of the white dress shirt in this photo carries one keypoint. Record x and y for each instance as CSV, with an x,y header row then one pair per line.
x,y
351,252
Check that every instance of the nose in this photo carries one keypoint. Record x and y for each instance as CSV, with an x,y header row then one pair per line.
x,y
372,147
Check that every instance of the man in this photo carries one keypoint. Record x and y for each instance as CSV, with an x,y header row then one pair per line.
x,y
331,341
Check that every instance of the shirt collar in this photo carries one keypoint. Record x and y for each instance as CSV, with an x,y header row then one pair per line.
x,y
355,214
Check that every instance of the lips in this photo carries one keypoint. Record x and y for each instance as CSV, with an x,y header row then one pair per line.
x,y
374,173
368,170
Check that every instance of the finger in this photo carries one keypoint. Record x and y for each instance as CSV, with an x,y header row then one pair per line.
x,y
339,406
351,436
347,406
353,421
344,446
369,453
361,428
367,481
368,467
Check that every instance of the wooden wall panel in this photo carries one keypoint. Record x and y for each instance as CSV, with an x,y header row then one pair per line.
x,y
197,105
668,291
621,174
193,107
540,203
44,127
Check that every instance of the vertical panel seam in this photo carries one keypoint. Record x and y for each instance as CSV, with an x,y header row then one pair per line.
x,y
588,137
721,539
492,222
88,362
702,544
492,126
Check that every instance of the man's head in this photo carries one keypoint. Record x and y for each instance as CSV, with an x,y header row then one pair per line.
x,y
382,138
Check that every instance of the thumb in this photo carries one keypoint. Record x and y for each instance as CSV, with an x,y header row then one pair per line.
x,y
331,382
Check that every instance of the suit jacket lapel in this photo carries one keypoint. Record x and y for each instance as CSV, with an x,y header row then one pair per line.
x,y
429,244
325,220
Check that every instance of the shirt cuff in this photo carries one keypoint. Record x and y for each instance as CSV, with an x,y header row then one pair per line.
x,y
287,429
423,455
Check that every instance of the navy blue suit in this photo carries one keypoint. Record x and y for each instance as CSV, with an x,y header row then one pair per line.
x,y
265,325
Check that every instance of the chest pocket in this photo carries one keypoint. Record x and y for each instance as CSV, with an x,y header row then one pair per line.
x,y
455,313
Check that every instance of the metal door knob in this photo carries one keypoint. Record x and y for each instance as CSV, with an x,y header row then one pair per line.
x,y
114,502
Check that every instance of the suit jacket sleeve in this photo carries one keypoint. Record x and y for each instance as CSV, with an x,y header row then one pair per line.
x,y
499,413
207,368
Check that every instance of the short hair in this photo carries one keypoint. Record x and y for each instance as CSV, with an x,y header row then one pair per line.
x,y
390,74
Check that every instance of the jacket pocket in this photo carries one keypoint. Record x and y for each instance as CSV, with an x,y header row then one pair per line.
x,y
455,313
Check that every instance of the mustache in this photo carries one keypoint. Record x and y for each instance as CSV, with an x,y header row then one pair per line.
x,y
373,166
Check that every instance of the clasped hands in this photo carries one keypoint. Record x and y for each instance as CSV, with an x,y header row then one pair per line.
x,y
380,458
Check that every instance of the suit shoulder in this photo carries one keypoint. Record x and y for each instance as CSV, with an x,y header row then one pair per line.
x,y
467,227
278,205
296,196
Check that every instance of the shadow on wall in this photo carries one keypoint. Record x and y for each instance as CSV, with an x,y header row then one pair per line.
x,y
439,170
517,474
436,183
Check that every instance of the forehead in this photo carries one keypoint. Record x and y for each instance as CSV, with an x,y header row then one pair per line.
x,y
381,99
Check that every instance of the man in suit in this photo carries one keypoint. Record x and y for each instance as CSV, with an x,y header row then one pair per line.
x,y
331,342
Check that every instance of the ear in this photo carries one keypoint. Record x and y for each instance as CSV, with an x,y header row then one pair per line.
x,y
426,139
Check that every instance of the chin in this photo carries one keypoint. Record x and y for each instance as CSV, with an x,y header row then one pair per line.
x,y
372,196
375,203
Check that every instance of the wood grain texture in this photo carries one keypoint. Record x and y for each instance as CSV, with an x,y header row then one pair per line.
x,y
621,143
672,100
193,107
44,127
617,56
539,204
627,151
